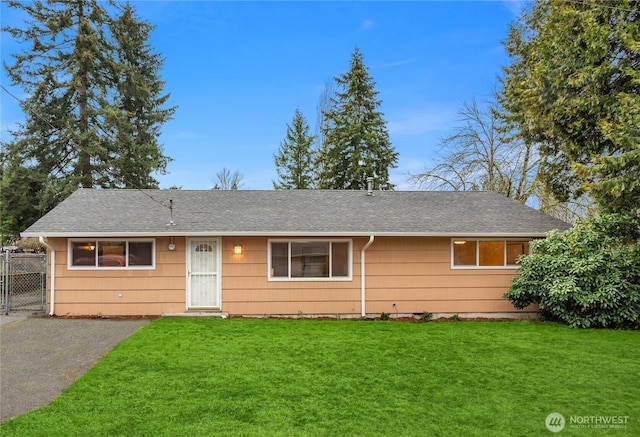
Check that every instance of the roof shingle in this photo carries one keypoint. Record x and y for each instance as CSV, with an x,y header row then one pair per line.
x,y
97,212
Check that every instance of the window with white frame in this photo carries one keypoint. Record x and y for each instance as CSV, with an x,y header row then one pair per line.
x,y
112,254
487,253
309,259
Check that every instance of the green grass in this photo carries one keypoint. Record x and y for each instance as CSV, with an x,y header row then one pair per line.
x,y
193,377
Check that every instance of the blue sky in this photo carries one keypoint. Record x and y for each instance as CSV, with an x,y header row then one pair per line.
x,y
238,70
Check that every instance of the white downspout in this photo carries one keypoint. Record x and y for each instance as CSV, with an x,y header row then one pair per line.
x,y
363,293
52,251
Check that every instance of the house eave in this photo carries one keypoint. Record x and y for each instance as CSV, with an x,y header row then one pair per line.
x,y
112,234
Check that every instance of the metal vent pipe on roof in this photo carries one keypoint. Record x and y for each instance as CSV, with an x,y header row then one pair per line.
x,y
369,186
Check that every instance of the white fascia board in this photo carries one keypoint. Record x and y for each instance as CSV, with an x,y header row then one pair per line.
x,y
168,233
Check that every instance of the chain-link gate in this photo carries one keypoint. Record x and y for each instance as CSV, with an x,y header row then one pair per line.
x,y
23,282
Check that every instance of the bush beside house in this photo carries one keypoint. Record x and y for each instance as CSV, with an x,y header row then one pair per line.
x,y
588,276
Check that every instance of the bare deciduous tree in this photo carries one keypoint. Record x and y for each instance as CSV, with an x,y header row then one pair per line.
x,y
226,180
477,156
324,104
481,155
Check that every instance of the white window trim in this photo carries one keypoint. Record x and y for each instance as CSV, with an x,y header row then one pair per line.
x,y
319,240
478,267
70,242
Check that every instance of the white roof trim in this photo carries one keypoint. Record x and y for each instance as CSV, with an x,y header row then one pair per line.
x,y
281,234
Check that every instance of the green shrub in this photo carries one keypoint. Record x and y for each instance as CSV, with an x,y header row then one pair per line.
x,y
588,276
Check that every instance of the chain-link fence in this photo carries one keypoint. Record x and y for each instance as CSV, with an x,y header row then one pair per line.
x,y
23,282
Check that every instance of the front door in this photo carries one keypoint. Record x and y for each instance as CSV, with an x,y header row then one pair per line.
x,y
203,274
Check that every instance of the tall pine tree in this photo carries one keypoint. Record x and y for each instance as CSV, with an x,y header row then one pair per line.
x,y
139,104
294,161
356,140
94,105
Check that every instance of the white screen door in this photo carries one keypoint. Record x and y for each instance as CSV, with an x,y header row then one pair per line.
x,y
203,289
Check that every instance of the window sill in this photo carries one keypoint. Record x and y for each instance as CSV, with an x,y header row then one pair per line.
x,y
93,268
340,279
485,267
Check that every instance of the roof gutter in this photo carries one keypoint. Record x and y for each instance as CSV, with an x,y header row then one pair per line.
x,y
177,233
363,291
52,251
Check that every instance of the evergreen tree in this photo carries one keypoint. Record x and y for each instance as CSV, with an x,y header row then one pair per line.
x,y
18,185
356,140
93,108
294,161
574,89
139,103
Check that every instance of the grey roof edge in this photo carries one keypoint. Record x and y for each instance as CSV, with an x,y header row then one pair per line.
x,y
283,234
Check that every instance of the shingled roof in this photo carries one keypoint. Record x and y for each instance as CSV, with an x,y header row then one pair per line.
x,y
103,213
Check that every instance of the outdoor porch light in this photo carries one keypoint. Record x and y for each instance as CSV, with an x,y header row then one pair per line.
x,y
237,249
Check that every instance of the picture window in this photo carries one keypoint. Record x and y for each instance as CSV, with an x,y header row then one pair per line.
x,y
480,253
309,260
114,254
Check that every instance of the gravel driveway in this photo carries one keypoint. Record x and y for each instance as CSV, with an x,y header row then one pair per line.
x,y
40,356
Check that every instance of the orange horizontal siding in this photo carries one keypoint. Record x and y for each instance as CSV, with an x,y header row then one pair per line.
x,y
439,281
121,297
119,284
419,268
122,291
261,283
293,295
294,308
413,273
433,294
115,309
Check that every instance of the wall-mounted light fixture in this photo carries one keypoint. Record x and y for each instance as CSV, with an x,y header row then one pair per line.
x,y
459,242
91,246
237,249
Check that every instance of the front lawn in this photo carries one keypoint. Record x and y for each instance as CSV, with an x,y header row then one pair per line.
x,y
192,377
